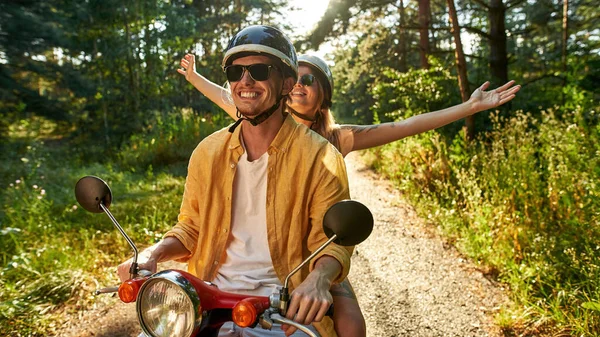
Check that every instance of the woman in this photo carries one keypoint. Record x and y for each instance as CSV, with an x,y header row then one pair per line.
x,y
309,103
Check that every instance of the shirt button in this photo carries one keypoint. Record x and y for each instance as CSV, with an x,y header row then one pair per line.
x,y
216,263
224,230
232,165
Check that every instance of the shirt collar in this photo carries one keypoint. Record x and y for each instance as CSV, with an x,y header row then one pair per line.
x,y
281,141
283,138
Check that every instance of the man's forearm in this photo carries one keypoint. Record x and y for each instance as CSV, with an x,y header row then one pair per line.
x,y
327,268
169,248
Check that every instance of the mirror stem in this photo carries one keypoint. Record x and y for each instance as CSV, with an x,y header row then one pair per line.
x,y
133,271
284,295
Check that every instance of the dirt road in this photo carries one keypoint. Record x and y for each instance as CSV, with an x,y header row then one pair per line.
x,y
408,282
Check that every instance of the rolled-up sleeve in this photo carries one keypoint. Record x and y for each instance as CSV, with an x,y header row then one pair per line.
x,y
332,186
186,230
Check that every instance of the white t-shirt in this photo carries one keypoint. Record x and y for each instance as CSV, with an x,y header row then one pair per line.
x,y
248,268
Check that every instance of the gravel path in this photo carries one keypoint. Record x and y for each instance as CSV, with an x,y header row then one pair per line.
x,y
408,282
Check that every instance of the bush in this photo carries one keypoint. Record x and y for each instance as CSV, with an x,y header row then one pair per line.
x,y
54,254
170,139
410,93
523,200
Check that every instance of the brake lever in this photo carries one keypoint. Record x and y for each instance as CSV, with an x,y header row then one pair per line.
x,y
268,320
107,290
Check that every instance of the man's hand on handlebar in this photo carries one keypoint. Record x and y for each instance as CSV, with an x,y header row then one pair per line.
x,y
167,249
311,299
123,269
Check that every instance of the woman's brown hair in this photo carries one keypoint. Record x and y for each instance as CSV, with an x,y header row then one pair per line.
x,y
324,123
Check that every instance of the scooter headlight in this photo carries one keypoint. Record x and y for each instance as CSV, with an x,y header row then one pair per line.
x,y
168,305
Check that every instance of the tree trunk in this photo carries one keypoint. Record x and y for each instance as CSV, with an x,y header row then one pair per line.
x,y
434,43
424,32
565,38
461,65
104,95
402,40
498,51
239,9
130,69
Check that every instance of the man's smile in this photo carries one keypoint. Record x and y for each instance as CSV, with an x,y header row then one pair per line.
x,y
248,94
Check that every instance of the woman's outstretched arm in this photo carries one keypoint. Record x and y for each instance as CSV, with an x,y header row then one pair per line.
x,y
379,134
209,89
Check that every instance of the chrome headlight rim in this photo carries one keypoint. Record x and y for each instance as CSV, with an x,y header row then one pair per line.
x,y
179,280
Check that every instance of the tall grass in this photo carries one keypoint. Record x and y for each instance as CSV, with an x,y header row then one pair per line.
x,y
170,139
523,201
54,254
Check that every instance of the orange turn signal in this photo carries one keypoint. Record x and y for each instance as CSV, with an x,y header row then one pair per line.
x,y
129,289
244,314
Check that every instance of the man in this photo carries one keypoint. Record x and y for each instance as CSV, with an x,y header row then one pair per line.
x,y
256,193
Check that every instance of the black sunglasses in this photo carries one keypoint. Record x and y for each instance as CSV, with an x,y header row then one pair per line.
x,y
258,71
307,80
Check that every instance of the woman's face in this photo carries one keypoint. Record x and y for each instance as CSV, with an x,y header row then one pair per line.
x,y
305,98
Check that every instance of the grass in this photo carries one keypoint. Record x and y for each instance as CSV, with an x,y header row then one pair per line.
x,y
522,202
54,253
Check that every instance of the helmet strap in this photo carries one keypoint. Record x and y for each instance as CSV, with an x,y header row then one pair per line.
x,y
263,116
302,116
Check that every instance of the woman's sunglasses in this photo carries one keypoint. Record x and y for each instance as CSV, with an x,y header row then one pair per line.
x,y
307,80
258,71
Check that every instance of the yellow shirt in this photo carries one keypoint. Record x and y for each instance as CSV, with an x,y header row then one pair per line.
x,y
305,176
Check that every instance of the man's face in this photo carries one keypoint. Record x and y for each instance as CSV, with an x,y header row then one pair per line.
x,y
252,97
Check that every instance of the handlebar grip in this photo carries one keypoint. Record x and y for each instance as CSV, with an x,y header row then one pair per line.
x,y
144,273
330,311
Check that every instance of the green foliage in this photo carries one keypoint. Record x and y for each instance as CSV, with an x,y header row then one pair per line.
x,y
105,68
399,95
523,200
169,139
375,44
54,254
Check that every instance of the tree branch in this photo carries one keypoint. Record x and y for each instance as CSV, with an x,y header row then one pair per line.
x,y
541,78
514,3
478,32
483,4
337,9
522,32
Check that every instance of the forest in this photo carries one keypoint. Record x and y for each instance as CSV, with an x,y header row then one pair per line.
x,y
91,87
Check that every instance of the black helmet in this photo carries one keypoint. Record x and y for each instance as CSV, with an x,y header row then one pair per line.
x,y
323,73
263,40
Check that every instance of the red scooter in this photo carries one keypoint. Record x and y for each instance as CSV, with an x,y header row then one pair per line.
x,y
175,303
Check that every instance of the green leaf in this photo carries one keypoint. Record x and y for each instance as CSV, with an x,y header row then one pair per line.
x,y
591,305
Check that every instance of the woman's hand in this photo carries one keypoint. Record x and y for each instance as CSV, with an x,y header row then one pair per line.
x,y
188,66
483,100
